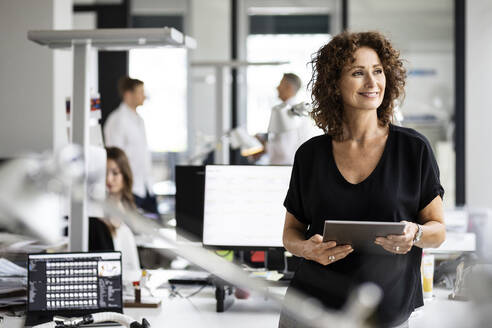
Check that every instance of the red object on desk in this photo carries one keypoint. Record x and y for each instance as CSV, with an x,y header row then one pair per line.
x,y
136,287
257,256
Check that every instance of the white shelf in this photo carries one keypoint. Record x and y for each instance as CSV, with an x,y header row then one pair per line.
x,y
114,39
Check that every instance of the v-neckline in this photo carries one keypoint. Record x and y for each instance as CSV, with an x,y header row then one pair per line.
x,y
373,172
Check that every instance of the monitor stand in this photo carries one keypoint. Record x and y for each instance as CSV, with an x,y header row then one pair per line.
x,y
224,294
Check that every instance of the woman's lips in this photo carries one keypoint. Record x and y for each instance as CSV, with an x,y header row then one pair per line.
x,y
374,94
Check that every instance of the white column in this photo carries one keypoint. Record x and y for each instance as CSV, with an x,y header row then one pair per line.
x,y
78,229
222,115
209,24
478,109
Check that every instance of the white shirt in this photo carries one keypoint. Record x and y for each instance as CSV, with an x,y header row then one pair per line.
x,y
282,146
125,129
124,241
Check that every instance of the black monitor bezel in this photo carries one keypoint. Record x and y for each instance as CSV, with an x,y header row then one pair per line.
x,y
38,316
180,220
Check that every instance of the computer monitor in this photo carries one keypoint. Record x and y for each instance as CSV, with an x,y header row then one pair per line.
x,y
190,186
244,206
73,285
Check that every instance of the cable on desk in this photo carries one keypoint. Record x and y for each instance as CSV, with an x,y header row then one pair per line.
x,y
174,292
196,292
193,304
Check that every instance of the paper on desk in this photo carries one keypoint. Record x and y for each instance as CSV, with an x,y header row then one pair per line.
x,y
11,284
13,278
9,269
268,275
32,246
15,300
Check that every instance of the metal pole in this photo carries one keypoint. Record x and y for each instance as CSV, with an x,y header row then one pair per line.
x,y
222,119
78,224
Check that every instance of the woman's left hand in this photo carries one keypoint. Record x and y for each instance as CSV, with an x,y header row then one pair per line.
x,y
399,244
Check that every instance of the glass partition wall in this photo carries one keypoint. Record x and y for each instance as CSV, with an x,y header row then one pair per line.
x,y
287,31
424,33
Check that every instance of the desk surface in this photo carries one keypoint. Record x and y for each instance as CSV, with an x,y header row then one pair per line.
x,y
199,311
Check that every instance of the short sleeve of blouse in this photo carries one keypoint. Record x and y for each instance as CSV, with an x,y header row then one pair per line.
x,y
430,185
293,201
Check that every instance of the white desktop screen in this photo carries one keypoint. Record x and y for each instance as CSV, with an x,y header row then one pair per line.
x,y
244,205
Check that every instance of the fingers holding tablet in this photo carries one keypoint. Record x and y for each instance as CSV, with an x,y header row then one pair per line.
x,y
324,252
399,244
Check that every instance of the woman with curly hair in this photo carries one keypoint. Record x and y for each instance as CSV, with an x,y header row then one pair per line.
x,y
362,168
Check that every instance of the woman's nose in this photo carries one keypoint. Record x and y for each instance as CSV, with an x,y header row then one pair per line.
x,y
370,81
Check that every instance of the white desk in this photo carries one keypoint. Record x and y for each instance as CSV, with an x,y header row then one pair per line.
x,y
257,312
199,311
442,312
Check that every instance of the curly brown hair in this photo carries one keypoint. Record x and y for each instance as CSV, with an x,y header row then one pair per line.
x,y
328,63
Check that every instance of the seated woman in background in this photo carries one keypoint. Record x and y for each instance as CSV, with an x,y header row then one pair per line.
x,y
112,233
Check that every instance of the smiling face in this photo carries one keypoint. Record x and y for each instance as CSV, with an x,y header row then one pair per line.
x,y
363,82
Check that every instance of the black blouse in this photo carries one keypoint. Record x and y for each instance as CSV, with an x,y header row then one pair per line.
x,y
405,180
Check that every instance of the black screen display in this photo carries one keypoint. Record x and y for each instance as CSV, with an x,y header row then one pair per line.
x,y
75,281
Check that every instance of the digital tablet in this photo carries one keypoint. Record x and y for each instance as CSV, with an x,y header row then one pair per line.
x,y
361,234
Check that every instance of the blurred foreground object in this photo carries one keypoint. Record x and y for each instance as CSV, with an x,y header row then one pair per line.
x,y
29,193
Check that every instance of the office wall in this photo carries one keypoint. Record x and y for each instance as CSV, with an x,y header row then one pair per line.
x,y
157,7
423,32
34,80
478,103
209,22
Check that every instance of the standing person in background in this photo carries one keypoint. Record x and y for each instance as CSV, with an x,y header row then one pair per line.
x,y
125,129
286,130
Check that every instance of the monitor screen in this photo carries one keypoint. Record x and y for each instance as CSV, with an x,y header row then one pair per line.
x,y
75,282
244,205
190,185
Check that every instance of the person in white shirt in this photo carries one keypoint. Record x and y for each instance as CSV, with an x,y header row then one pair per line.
x,y
287,131
125,129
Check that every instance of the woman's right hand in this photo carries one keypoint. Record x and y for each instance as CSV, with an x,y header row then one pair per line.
x,y
324,252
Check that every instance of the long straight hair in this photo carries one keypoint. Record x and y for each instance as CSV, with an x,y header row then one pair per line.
x,y
119,157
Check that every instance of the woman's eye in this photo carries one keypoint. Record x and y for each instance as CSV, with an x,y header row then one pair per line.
x,y
378,71
357,73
